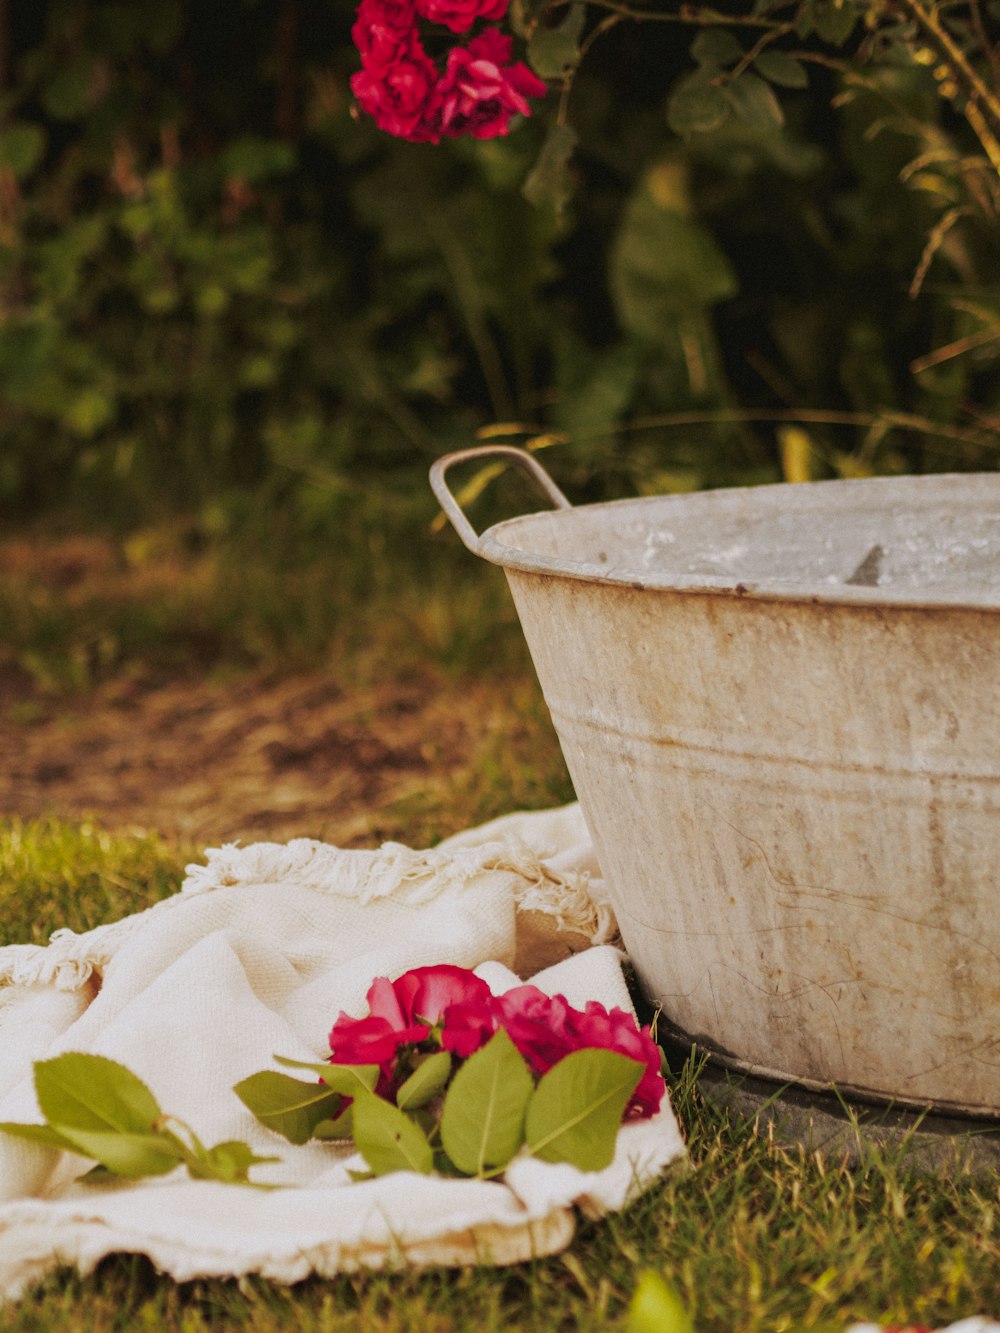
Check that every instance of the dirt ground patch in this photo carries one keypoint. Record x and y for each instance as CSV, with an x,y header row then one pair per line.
x,y
209,762
215,755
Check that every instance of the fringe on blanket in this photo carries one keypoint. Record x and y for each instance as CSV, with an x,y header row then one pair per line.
x,y
69,960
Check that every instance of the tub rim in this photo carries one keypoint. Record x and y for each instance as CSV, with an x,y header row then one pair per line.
x,y
492,546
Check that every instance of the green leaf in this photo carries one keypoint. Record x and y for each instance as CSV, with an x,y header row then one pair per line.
x,y
21,149
88,412
656,1308
664,266
781,68
425,1082
91,1093
43,1134
549,180
345,1079
525,14
599,388
68,93
388,1139
696,106
754,102
100,1109
577,1108
229,1162
124,1154
482,1123
715,48
254,159
835,20
288,1105
553,53
444,1166
340,1128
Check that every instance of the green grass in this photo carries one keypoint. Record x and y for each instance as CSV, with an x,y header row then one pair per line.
x,y
754,1236
55,874
374,590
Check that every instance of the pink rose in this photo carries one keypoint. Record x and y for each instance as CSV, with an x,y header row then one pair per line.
x,y
460,15
398,94
479,92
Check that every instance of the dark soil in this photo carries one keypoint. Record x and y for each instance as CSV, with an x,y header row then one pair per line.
x,y
252,757
207,753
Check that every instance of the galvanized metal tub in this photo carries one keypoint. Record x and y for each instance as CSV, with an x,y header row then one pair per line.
x,y
780,708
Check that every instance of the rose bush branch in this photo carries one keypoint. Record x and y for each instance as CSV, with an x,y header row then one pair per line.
x,y
481,91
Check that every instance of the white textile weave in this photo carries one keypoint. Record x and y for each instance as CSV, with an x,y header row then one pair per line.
x,y
256,956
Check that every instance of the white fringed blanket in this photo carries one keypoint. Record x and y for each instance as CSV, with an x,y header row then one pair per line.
x,y
256,955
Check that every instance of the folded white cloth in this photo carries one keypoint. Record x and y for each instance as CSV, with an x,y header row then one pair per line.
x,y
257,955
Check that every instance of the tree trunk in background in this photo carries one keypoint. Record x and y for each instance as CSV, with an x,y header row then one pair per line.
x,y
5,61
286,74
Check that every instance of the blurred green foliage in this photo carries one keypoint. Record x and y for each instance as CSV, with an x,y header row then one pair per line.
x,y
215,281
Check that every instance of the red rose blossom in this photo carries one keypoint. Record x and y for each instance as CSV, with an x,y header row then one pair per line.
x,y
535,1023
464,1013
424,993
398,94
546,1028
460,15
370,1041
616,1030
380,44
401,88
480,93
469,1025
403,1011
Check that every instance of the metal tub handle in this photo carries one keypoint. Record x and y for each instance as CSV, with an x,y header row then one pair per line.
x,y
450,505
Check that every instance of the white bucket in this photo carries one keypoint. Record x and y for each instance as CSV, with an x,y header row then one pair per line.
x,y
780,707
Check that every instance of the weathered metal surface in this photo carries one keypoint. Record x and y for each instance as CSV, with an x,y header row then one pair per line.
x,y
780,708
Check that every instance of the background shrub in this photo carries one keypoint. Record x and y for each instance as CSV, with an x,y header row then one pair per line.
x,y
215,281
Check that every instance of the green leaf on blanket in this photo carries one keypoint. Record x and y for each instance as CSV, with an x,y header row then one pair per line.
x,y
129,1155
341,1128
42,1134
425,1082
482,1123
229,1162
287,1105
388,1139
99,1109
574,1113
92,1093
345,1079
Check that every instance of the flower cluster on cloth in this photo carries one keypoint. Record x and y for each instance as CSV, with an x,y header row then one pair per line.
x,y
477,92
453,1008
444,1076
441,1076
